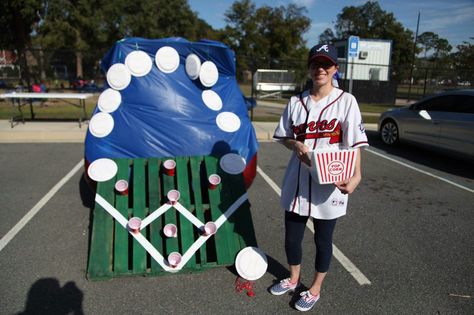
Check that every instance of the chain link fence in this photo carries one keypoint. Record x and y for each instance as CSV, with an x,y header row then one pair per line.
x,y
372,83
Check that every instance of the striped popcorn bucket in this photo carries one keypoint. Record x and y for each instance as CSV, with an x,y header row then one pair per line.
x,y
334,166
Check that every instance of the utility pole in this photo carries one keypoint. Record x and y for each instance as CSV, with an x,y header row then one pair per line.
x,y
414,56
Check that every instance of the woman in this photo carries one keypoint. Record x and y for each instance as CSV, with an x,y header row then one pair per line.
x,y
323,117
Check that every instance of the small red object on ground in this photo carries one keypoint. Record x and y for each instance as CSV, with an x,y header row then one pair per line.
x,y
244,285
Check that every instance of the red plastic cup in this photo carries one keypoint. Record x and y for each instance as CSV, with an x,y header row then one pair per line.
x,y
121,187
174,259
210,228
169,167
134,225
170,230
173,196
214,181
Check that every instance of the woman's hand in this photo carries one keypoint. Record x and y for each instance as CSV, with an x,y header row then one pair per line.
x,y
349,185
301,151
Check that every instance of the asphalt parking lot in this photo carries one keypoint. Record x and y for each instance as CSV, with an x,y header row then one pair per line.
x,y
408,231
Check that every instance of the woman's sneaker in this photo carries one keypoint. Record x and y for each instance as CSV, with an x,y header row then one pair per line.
x,y
283,286
306,301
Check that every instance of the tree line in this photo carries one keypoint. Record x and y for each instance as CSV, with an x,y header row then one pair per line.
x,y
260,36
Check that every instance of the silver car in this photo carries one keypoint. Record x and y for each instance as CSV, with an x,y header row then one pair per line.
x,y
443,121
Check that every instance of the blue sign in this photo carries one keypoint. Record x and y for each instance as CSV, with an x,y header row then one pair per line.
x,y
353,46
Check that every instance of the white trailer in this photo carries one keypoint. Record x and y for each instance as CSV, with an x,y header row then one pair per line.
x,y
372,62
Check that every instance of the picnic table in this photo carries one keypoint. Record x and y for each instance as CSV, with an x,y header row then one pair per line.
x,y
21,99
115,251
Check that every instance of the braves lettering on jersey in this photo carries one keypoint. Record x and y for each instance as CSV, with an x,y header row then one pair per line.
x,y
332,122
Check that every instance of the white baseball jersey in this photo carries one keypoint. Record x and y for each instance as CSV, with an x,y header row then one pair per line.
x,y
332,122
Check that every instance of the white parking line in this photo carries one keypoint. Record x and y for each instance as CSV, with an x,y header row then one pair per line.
x,y
343,260
30,214
419,170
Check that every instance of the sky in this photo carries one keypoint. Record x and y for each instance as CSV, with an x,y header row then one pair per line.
x,y
450,19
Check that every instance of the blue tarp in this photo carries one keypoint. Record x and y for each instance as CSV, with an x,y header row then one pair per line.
x,y
164,115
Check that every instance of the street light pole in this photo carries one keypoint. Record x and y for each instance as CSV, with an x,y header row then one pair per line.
x,y
414,56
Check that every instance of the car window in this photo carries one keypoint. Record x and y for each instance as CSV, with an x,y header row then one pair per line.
x,y
443,103
448,103
463,104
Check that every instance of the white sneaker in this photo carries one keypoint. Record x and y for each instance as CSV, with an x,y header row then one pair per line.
x,y
284,286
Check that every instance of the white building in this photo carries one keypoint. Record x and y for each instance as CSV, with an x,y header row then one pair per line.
x,y
372,62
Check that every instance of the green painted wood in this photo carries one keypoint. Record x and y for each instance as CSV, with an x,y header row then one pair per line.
x,y
121,233
191,180
186,228
195,163
224,240
139,210
171,243
230,191
100,255
244,233
154,200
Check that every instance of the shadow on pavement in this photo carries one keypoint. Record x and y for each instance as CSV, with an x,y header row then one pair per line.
x,y
87,193
438,160
46,296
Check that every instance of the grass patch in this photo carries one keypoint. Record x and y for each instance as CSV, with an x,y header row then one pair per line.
x,y
375,108
51,109
370,119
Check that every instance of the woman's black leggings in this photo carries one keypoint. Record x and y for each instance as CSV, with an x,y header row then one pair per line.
x,y
294,232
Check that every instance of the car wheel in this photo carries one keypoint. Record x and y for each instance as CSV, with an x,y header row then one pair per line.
x,y
389,132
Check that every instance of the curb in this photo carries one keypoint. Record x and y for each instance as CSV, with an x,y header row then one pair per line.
x,y
44,132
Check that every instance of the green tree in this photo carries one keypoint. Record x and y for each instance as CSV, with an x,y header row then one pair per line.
x,y
241,34
71,26
371,22
19,19
266,37
432,42
327,36
153,19
89,27
428,41
442,48
463,61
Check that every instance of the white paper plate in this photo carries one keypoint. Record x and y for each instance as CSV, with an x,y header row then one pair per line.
x,y
251,263
102,170
193,66
212,100
208,75
101,124
139,63
167,59
118,76
109,100
228,122
232,163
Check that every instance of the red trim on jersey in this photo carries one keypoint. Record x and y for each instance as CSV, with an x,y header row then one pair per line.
x,y
319,118
335,135
299,166
304,105
281,138
360,142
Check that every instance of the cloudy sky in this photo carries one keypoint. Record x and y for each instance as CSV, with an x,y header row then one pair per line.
x,y
450,19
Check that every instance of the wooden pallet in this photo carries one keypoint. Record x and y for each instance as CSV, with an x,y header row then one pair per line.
x,y
114,252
